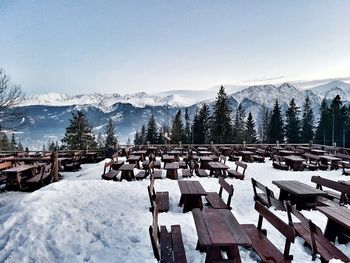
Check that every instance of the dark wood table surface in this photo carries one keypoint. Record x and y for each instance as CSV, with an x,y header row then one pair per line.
x,y
167,159
218,229
318,151
127,170
205,153
191,195
303,195
171,170
15,174
217,168
338,222
246,156
285,152
135,159
204,162
295,162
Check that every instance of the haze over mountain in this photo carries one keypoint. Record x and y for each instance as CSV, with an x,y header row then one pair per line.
x,y
47,116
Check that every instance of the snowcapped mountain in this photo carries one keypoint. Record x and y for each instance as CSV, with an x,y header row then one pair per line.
x,y
46,116
106,102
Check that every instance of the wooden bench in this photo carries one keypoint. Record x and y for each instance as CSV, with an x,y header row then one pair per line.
x,y
199,172
278,163
160,199
263,246
236,173
346,167
167,246
314,237
215,199
258,158
342,194
108,172
38,180
266,196
157,174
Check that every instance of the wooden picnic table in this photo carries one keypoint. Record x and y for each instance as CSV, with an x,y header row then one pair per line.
x,y
127,170
303,195
202,148
332,159
218,229
246,156
191,195
218,169
171,170
277,148
338,224
285,152
135,159
294,162
167,159
16,174
205,162
214,157
318,151
226,150
250,148
140,153
205,153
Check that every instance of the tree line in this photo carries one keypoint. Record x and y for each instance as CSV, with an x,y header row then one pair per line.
x,y
222,126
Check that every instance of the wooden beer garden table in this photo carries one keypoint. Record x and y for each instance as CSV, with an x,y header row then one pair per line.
x,y
318,151
218,229
295,162
135,159
285,152
140,153
167,159
205,162
246,156
303,195
191,195
338,224
15,174
332,159
204,153
218,169
127,171
171,170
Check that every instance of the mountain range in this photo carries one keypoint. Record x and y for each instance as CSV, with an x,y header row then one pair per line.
x,y
46,116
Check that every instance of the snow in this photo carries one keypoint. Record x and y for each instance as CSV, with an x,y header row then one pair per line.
x,y
85,219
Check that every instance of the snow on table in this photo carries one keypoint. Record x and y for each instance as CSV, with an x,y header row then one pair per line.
x,y
85,219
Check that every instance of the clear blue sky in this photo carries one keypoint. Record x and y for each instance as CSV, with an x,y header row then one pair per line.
x,y
130,46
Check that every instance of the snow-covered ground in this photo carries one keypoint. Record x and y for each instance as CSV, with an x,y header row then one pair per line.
x,y
85,219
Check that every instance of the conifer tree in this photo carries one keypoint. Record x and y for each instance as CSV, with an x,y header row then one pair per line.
x,y
78,135
323,132
264,127
221,125
187,132
239,126
100,142
177,132
307,130
143,134
276,131
200,125
111,139
20,146
4,142
137,139
152,131
13,143
339,118
250,132
293,124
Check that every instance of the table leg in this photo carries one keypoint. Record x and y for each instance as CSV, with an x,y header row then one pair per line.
x,y
283,195
233,253
213,254
191,202
331,230
181,200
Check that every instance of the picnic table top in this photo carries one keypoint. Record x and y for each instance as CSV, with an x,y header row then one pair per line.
x,y
188,187
139,152
206,159
168,157
339,214
205,152
312,156
19,169
218,165
298,188
171,166
221,228
134,158
277,148
294,158
318,151
330,158
246,152
127,167
286,152
174,152
202,148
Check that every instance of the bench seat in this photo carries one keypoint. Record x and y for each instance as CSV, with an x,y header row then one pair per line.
x,y
182,164
215,201
263,247
186,173
111,175
258,158
235,174
201,173
162,201
141,175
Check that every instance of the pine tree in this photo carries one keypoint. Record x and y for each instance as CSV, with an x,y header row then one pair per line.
x,y
239,126
221,129
250,132
200,125
100,142
152,131
276,132
111,139
137,139
177,132
143,134
78,135
307,130
4,142
20,146
187,132
323,132
13,143
293,124
264,125
52,146
339,118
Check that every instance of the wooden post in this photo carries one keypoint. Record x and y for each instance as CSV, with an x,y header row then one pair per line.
x,y
54,157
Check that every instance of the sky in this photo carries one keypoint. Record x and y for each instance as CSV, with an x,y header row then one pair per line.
x,y
86,46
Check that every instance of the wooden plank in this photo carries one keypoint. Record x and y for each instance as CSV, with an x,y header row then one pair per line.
x,y
178,246
201,228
